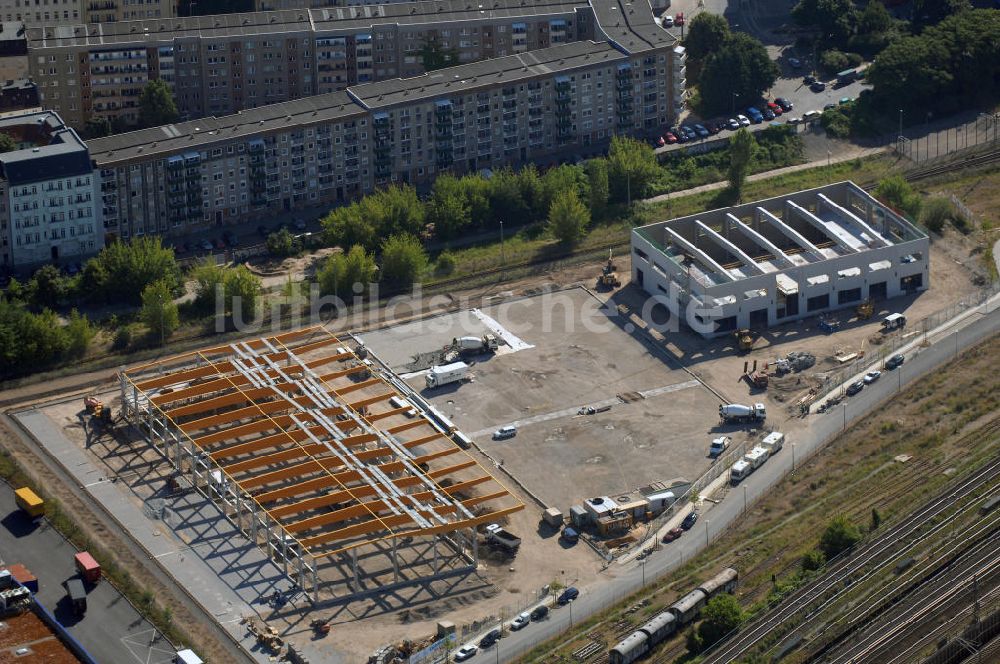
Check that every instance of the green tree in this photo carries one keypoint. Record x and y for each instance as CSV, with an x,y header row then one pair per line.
x,y
897,193
348,226
568,217
7,142
597,181
720,616
208,276
936,213
156,105
403,260
436,56
281,243
813,560
16,291
559,180
834,18
121,271
632,168
97,128
79,333
507,200
448,209
241,283
446,263
706,34
341,271
395,209
159,311
875,19
839,536
741,146
736,74
47,286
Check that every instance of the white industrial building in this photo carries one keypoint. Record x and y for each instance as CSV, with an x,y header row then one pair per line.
x,y
768,262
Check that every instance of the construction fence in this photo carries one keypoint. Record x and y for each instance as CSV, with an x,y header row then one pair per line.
x,y
982,131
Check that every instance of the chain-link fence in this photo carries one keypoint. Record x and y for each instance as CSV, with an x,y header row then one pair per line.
x,y
983,131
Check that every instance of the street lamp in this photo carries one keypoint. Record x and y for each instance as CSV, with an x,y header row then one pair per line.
x,y
643,572
706,532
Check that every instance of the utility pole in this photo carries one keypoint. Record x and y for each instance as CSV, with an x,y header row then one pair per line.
x,y
900,122
503,257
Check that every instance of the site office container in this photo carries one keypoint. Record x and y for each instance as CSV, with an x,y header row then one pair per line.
x,y
87,567
29,501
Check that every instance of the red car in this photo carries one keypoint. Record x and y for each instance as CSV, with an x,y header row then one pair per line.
x,y
775,108
670,138
672,535
679,19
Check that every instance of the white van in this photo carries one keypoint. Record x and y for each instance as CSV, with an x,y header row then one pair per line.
x,y
504,433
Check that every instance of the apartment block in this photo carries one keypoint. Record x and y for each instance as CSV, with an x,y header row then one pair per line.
x,y
218,65
773,261
560,101
48,194
62,13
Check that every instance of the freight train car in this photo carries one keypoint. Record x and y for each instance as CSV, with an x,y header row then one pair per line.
x,y
667,622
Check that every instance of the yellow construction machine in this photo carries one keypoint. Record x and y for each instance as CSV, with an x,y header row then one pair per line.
x,y
744,339
608,279
865,310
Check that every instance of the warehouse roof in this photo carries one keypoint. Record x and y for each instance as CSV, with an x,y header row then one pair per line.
x,y
308,429
485,73
334,19
194,134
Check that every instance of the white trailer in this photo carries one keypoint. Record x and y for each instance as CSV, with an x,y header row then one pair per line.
x,y
757,457
740,471
446,374
735,412
773,442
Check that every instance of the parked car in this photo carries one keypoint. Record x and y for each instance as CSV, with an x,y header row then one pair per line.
x,y
300,224
795,120
810,115
568,596
689,521
660,141
718,446
733,124
743,120
681,136
846,100
775,107
206,245
689,132
809,80
521,621
672,534
539,612
701,130
818,86
855,387
714,127
768,114
667,21
894,361
827,107
465,652
503,433
784,104
491,637
670,138
795,63
871,377
755,116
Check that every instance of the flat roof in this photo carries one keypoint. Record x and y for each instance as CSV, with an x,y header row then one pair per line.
x,y
284,21
630,25
65,154
194,134
769,236
304,427
462,79
27,630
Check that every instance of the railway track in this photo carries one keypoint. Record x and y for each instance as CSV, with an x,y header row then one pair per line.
x,y
883,603
949,589
802,604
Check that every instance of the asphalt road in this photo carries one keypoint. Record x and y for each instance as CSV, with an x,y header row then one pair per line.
x,y
111,630
629,578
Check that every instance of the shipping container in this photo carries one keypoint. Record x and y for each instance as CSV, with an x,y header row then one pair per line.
x,y
88,568
29,501
77,596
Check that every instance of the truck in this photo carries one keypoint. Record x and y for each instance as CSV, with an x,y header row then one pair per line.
x,y
773,442
502,539
88,568
734,412
718,446
77,596
445,374
846,76
29,502
487,342
893,322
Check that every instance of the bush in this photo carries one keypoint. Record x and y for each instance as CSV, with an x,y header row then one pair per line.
x,y
282,244
897,193
936,213
833,61
403,260
836,123
446,263
813,560
123,338
839,536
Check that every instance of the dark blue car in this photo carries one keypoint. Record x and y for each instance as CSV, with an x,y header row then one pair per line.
x,y
701,131
568,596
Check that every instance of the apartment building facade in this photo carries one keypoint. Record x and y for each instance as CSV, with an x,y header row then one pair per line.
x,y
53,13
561,101
218,65
49,207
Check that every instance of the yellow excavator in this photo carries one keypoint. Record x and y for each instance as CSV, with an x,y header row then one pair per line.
x,y
865,310
744,339
608,280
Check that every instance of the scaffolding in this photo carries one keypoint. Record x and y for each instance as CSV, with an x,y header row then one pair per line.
x,y
313,450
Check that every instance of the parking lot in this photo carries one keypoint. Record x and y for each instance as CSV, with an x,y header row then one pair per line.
x,y
575,355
